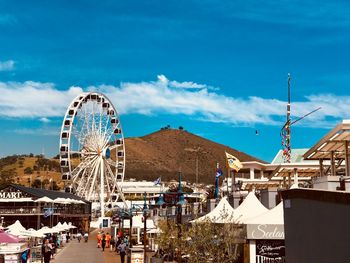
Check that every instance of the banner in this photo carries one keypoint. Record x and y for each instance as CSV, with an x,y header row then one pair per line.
x,y
233,162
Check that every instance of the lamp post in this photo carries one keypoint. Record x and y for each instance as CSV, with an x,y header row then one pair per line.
x,y
179,202
144,226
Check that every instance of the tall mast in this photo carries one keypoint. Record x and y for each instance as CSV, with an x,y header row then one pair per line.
x,y
286,132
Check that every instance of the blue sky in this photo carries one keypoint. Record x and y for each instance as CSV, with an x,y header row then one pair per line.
x,y
218,68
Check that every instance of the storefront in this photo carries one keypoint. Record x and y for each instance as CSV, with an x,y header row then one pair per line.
x,y
265,236
19,203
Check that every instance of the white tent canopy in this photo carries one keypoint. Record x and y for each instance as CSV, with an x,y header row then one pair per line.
x,y
250,207
47,230
272,217
222,213
16,226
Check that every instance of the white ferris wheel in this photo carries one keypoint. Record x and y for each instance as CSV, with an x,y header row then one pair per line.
x,y
92,150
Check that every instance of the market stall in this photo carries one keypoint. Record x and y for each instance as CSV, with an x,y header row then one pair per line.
x,y
11,248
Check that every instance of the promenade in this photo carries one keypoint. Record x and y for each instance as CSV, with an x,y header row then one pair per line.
x,y
82,252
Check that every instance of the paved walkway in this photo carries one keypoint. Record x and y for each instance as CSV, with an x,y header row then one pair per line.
x,y
82,252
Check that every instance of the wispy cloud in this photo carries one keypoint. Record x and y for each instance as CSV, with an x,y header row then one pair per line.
x,y
34,99
44,120
7,65
43,100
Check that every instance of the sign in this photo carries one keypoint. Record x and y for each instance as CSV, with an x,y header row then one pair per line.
x,y
264,231
136,257
10,195
273,251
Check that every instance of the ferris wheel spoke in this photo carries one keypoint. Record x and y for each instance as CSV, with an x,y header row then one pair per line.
x,y
81,167
88,180
96,170
81,182
116,185
114,146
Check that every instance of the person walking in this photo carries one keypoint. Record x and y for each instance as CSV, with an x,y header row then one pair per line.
x,y
108,240
122,250
86,236
103,242
99,237
46,251
79,237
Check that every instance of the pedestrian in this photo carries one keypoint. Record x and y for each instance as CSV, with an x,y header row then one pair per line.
x,y
46,251
126,240
79,237
99,237
112,243
86,236
103,242
108,240
122,251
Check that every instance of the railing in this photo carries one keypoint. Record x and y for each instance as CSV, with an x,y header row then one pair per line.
x,y
34,210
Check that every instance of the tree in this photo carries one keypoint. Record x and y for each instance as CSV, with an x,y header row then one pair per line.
x,y
36,183
202,242
28,170
7,177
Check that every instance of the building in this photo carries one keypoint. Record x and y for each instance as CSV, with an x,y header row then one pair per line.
x,y
315,223
19,203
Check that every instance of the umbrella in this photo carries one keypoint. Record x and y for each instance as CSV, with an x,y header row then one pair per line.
x,y
8,238
60,200
44,199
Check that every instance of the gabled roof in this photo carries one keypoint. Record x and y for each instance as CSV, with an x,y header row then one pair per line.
x,y
250,207
222,213
37,192
296,156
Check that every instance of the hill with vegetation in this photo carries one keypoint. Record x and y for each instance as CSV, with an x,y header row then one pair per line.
x,y
161,154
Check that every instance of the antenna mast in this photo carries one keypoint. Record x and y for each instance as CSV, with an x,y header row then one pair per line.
x,y
286,132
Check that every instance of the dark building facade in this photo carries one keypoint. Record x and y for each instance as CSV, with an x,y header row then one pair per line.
x,y
316,226
18,203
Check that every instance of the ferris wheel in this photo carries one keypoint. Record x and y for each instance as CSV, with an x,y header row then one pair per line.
x,y
92,150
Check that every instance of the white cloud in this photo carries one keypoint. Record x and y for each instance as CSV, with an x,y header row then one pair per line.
x,y
45,120
43,100
182,85
34,99
7,65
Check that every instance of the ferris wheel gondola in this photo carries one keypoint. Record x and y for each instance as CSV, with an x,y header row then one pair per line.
x,y
92,149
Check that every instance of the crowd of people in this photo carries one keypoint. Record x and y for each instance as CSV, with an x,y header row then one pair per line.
x,y
52,242
119,243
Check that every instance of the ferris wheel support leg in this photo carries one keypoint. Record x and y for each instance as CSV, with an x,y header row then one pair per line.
x,y
102,197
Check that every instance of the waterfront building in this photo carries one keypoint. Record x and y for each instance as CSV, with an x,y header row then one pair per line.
x,y
35,207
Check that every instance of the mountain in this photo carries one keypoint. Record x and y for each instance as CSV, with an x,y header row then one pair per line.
x,y
165,152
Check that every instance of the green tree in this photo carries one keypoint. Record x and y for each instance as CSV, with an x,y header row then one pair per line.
x,y
28,170
7,177
202,242
36,183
